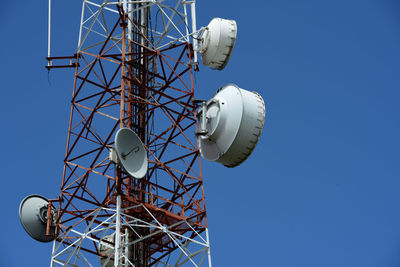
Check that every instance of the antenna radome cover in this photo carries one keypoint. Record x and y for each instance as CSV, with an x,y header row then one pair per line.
x,y
217,43
234,122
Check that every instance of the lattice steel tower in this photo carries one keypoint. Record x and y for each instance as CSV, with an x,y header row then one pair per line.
x,y
133,68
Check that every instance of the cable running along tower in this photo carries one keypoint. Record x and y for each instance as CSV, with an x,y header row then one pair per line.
x,y
132,187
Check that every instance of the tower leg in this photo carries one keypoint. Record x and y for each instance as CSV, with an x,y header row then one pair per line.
x,y
117,260
209,248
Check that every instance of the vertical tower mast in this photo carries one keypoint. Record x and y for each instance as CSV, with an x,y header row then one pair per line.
x,y
133,69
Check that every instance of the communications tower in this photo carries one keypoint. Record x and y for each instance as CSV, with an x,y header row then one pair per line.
x,y
132,186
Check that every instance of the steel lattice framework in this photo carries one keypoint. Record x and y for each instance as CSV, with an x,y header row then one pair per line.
x,y
132,73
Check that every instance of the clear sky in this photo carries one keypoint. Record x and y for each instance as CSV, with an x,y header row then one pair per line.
x,y
321,188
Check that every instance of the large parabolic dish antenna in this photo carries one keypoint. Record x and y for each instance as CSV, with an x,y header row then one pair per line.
x,y
231,125
217,43
33,216
131,153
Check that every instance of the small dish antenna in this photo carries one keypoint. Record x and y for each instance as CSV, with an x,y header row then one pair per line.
x,y
33,217
106,250
217,43
131,153
230,125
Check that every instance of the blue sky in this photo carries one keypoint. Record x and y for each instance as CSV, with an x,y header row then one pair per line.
x,y
320,189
